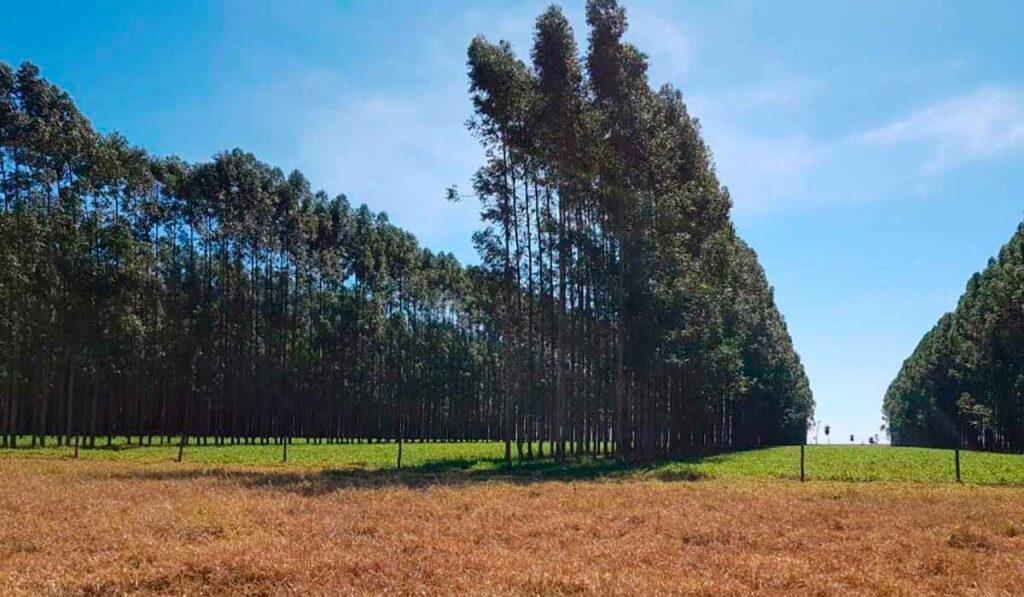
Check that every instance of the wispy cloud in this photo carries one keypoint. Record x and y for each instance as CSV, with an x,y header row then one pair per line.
x,y
763,172
783,93
979,125
764,169
660,36
398,146
399,154
395,150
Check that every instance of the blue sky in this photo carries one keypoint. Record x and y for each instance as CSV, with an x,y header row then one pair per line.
x,y
873,149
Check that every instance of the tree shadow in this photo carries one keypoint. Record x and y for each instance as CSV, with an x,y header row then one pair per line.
x,y
438,473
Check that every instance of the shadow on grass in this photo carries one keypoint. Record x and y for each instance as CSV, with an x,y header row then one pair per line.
x,y
439,473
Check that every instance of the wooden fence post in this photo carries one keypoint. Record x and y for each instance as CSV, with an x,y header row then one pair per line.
x,y
801,463
181,446
957,457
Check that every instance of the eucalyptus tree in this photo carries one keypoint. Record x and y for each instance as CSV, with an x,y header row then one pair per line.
x,y
614,308
502,93
964,383
660,329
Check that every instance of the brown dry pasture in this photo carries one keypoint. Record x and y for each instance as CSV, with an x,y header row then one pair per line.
x,y
105,528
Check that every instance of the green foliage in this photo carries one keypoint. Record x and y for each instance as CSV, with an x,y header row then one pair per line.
x,y
363,456
615,308
823,463
964,383
870,463
148,295
627,301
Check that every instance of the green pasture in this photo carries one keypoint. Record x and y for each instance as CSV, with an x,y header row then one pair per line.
x,y
823,463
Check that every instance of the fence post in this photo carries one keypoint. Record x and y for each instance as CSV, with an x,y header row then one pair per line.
x,y
284,457
957,457
802,463
76,446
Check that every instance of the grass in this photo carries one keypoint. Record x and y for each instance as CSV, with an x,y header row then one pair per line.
x,y
300,454
866,463
339,519
97,527
482,459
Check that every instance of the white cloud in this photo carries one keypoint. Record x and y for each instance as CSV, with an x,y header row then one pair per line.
x,y
661,37
764,169
784,93
980,125
398,154
763,172
397,148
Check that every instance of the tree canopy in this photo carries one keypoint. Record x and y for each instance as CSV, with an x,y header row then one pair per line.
x,y
964,383
614,309
628,303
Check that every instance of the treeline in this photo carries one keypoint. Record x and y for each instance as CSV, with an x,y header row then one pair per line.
x,y
615,309
964,383
628,305
145,296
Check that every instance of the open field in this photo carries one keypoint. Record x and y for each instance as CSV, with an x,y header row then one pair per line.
x,y
823,463
104,528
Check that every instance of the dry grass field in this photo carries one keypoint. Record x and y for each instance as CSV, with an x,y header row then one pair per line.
x,y
112,528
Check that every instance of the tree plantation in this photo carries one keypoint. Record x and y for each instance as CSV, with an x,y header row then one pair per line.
x,y
614,309
964,383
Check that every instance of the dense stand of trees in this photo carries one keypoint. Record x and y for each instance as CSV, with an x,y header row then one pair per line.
x,y
629,308
964,383
151,297
615,309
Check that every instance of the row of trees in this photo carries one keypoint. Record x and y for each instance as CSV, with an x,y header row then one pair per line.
x,y
964,383
146,296
614,310
629,308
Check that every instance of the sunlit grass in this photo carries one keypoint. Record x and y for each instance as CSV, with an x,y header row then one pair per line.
x,y
366,456
864,463
823,463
